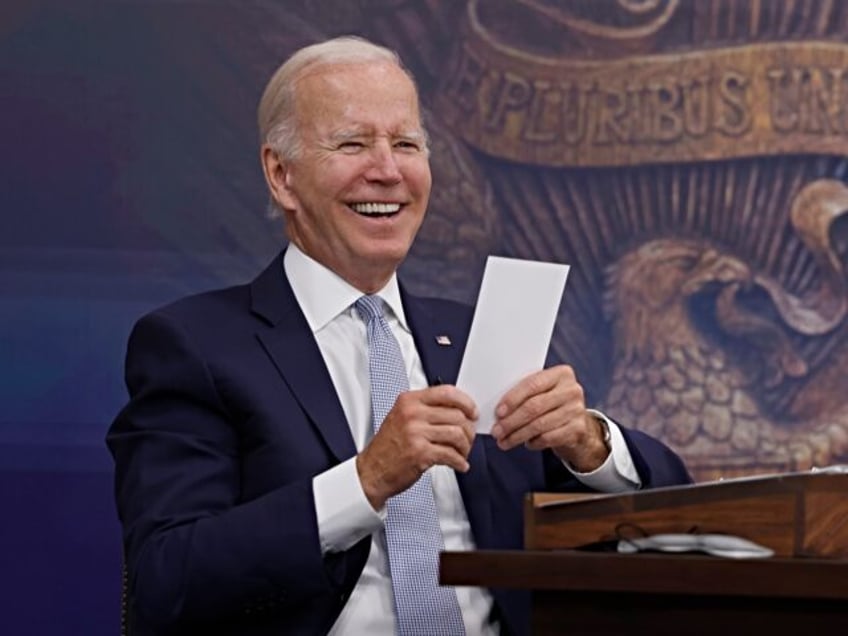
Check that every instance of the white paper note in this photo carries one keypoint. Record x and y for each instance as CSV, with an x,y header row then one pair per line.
x,y
511,330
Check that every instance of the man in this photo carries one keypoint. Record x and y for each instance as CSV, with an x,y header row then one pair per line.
x,y
256,494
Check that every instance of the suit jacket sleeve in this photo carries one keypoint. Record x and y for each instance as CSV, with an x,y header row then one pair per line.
x,y
657,465
196,546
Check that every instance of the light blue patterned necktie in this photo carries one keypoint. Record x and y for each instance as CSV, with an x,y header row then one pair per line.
x,y
413,535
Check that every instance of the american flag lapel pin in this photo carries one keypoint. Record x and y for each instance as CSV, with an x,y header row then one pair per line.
x,y
444,341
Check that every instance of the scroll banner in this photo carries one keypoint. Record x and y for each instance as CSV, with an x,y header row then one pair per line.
x,y
754,100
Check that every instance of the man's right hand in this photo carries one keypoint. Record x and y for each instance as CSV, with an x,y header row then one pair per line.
x,y
424,428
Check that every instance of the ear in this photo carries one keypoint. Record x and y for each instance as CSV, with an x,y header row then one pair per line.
x,y
276,171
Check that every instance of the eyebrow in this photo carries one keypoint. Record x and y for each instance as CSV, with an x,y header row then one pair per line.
x,y
355,133
417,135
349,133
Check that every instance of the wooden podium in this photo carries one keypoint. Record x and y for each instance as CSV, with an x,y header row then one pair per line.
x,y
802,590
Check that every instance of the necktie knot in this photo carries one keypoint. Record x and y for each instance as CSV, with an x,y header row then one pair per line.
x,y
369,307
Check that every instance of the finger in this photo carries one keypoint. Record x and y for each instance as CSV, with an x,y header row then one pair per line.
x,y
567,395
449,395
452,436
457,418
542,424
534,384
411,419
563,398
420,413
448,456
433,404
445,417
531,409
430,454
409,412
470,429
555,438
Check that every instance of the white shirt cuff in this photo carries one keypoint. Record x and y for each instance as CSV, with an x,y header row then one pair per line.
x,y
344,514
617,473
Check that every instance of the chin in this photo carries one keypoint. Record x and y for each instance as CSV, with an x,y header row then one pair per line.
x,y
385,260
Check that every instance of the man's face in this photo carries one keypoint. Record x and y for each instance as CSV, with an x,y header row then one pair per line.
x,y
356,193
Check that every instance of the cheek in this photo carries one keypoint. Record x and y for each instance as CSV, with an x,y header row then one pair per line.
x,y
339,171
428,183
420,180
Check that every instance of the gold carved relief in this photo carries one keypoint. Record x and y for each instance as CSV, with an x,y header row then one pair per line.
x,y
733,102
688,158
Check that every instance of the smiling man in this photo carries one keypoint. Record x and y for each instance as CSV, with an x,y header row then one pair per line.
x,y
294,455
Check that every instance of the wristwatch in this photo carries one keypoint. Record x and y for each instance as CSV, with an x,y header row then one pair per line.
x,y
606,436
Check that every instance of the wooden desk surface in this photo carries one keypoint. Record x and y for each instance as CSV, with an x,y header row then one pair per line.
x,y
684,574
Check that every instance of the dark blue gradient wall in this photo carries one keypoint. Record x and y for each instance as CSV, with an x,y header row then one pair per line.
x,y
129,177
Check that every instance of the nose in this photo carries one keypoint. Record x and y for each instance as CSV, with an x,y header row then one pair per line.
x,y
384,166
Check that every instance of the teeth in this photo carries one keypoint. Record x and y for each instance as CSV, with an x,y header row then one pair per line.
x,y
376,208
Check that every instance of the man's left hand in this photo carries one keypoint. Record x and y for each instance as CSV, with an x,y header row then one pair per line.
x,y
547,410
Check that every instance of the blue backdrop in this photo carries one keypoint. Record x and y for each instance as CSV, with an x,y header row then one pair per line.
x,y
130,177
112,116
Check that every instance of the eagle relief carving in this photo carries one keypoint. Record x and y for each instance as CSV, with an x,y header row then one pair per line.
x,y
716,359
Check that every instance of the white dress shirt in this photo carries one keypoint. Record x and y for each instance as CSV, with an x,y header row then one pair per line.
x,y
344,514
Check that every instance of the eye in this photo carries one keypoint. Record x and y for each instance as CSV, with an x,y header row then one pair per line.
x,y
351,146
688,263
406,144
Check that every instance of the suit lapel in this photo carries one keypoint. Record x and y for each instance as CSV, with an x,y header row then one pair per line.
x,y
292,347
441,366
294,351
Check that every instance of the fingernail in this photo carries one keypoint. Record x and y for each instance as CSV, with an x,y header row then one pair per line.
x,y
501,410
497,431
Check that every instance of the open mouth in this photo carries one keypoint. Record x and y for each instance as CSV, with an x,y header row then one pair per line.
x,y
376,210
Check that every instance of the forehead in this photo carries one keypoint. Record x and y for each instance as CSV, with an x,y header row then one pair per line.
x,y
372,94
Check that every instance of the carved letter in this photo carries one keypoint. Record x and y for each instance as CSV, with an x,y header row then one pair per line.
x,y
697,102
736,118
821,108
611,109
666,124
783,101
543,120
512,94
575,112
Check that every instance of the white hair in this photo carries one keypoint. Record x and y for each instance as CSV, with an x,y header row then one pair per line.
x,y
276,113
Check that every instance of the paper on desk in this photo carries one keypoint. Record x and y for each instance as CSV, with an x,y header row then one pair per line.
x,y
511,330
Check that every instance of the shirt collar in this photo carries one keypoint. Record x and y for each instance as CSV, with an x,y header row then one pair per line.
x,y
322,294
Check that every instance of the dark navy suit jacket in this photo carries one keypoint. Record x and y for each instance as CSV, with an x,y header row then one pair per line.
x,y
232,412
